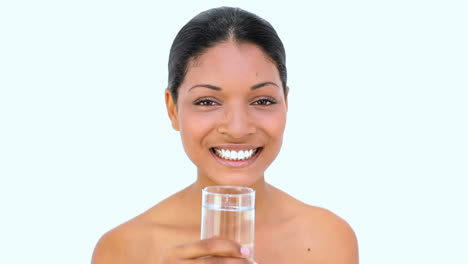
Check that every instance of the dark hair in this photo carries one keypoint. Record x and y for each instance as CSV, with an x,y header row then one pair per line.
x,y
220,24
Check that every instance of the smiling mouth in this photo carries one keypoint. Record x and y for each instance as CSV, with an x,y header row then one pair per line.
x,y
236,155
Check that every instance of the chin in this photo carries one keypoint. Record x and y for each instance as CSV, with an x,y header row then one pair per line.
x,y
236,179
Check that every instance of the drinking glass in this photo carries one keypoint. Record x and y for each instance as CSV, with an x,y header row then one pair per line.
x,y
229,212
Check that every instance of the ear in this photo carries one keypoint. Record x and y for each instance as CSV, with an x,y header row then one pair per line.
x,y
171,109
286,93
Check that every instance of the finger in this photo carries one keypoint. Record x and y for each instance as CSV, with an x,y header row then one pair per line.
x,y
211,247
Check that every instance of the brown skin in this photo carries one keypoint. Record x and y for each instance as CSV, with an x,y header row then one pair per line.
x,y
286,230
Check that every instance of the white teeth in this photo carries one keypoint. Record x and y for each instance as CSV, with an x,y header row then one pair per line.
x,y
234,155
241,155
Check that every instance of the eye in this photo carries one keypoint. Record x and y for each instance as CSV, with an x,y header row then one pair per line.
x,y
265,101
205,102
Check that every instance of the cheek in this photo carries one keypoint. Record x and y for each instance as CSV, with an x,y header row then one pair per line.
x,y
273,123
195,126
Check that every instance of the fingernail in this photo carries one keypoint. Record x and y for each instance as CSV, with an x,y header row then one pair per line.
x,y
245,251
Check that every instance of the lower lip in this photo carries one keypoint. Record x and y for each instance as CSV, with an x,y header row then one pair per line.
x,y
237,163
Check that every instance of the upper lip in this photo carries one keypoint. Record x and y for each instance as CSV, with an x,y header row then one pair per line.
x,y
236,146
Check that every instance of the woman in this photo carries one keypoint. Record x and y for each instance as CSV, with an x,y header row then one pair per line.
x,y
227,96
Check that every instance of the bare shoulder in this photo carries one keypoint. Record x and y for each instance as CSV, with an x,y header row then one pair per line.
x,y
127,243
141,239
331,236
310,234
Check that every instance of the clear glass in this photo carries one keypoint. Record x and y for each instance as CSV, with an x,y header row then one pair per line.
x,y
229,212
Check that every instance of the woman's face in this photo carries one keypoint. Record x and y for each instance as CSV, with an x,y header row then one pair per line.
x,y
231,113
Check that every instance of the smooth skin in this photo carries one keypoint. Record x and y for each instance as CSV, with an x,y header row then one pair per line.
x,y
231,96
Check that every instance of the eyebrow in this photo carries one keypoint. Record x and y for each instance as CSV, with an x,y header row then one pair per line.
x,y
216,88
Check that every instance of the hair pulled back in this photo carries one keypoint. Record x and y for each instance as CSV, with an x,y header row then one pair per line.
x,y
221,24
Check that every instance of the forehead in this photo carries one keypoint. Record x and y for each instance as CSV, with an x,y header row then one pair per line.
x,y
232,63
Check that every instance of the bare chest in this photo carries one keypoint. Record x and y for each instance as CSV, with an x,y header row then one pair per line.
x,y
278,245
291,245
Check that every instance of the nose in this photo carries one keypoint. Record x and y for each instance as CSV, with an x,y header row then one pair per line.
x,y
237,122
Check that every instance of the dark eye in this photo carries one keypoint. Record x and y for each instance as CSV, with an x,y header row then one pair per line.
x,y
205,102
265,101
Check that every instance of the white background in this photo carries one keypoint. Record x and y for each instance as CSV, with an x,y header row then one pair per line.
x,y
377,125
